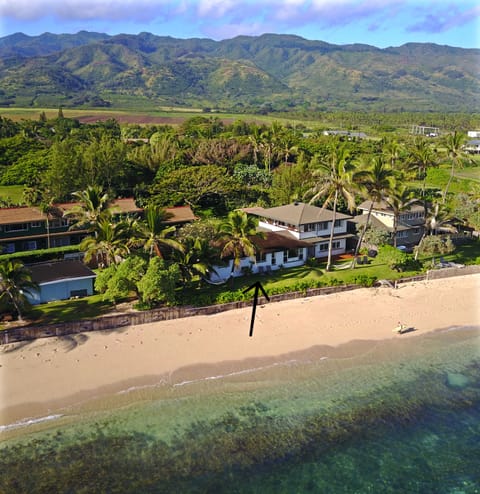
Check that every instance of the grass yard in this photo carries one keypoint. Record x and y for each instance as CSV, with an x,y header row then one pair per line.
x,y
69,310
11,193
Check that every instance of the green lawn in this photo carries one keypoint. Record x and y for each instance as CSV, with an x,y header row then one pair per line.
x,y
11,193
69,310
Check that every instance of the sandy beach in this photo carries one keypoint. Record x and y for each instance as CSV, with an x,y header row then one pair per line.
x,y
39,377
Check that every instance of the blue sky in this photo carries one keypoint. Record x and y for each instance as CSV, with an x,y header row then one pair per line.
x,y
380,23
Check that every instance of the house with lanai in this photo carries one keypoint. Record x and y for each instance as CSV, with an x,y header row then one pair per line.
x,y
291,234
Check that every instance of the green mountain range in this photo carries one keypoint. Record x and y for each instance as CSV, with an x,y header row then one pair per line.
x,y
263,73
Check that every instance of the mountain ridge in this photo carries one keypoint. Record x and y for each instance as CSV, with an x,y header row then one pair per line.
x,y
259,73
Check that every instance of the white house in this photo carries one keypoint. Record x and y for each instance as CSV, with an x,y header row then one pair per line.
x,y
472,146
293,234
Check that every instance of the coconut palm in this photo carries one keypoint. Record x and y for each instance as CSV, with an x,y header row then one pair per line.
x,y
237,231
375,180
196,259
437,221
15,282
457,156
110,243
421,158
392,152
154,233
400,199
94,206
333,175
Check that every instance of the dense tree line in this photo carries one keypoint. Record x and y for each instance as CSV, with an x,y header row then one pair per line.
x,y
215,168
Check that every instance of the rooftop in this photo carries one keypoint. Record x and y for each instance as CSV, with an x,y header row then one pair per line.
x,y
297,213
48,272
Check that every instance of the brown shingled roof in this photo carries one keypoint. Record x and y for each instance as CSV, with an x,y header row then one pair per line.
x,y
179,214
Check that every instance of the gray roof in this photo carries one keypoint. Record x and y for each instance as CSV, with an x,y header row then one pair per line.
x,y
297,213
48,272
384,207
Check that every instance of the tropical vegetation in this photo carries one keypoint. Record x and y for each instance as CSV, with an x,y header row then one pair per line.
x,y
218,167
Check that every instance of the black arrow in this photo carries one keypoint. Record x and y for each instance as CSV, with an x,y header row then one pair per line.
x,y
258,286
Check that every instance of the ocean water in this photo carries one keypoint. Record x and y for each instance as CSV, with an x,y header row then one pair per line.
x,y
372,417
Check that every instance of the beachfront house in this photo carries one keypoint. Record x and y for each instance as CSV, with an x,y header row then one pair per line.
x,y
410,222
292,234
30,228
60,280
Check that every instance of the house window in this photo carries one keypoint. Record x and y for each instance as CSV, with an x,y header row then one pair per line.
x,y
60,223
290,254
17,227
402,234
60,242
30,245
274,258
36,224
300,253
338,223
261,257
9,248
323,225
336,244
309,227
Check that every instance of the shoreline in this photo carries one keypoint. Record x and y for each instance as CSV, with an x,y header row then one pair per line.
x,y
38,378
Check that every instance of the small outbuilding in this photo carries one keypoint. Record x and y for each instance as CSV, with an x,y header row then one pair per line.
x,y
60,280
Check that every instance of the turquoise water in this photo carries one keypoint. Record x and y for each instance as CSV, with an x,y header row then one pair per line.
x,y
387,417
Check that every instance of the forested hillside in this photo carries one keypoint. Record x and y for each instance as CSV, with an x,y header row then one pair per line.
x,y
264,73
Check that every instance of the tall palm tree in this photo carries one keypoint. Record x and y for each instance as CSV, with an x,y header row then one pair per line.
x,y
421,158
110,243
456,155
400,199
94,206
333,177
375,180
392,152
15,282
438,220
237,230
154,233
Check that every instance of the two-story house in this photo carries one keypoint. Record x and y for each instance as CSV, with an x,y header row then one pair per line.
x,y
410,224
292,234
29,228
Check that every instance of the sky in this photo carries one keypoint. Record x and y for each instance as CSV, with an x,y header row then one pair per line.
x,y
380,23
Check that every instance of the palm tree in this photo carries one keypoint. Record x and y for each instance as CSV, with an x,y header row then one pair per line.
x,y
437,221
376,182
110,243
15,282
237,230
154,233
334,180
392,151
421,158
399,199
94,206
456,155
196,259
